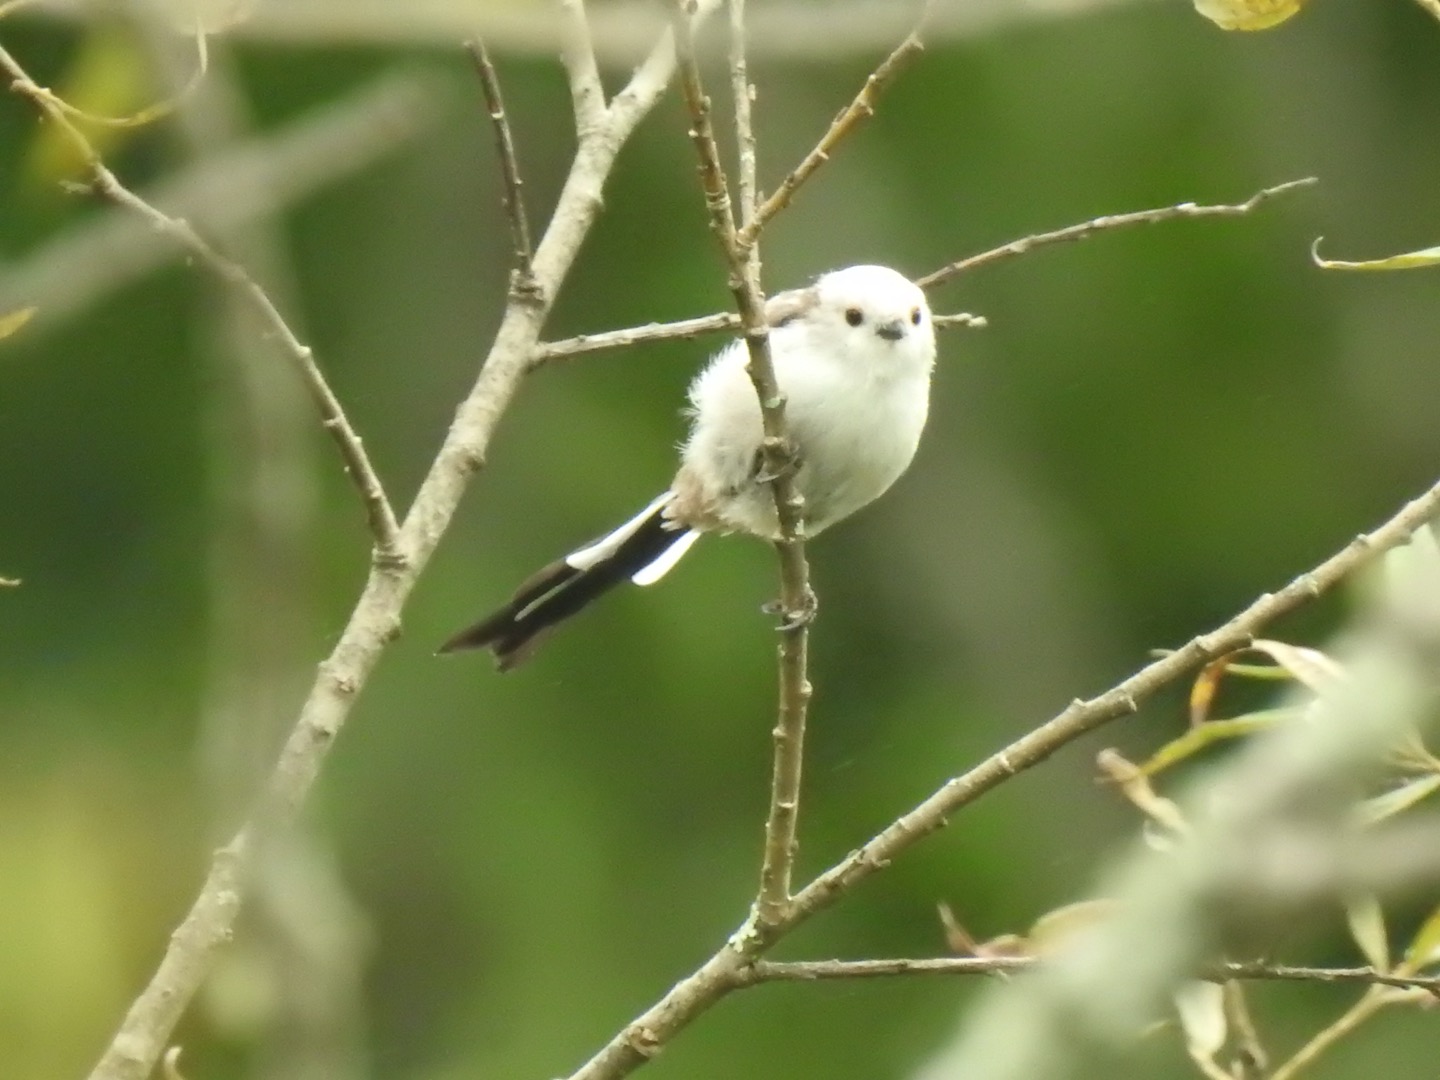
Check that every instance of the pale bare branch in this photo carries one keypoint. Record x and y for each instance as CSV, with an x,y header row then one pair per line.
x,y
726,969
374,622
688,330
685,329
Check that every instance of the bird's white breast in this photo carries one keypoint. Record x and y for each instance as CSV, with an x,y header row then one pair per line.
x,y
855,419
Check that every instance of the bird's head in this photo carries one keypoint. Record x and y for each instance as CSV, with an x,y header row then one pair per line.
x,y
870,314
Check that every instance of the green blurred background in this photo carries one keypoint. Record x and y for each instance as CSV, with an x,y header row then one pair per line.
x,y
498,872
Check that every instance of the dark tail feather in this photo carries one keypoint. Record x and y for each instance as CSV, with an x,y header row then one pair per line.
x,y
560,590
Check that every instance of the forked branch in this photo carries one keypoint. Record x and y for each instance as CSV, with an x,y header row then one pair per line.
x,y
144,1033
731,966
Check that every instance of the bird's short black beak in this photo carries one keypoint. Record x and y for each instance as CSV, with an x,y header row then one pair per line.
x,y
891,331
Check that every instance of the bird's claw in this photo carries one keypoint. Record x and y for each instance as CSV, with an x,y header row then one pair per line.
x,y
788,465
792,619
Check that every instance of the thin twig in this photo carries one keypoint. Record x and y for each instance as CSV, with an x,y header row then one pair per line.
x,y
850,118
514,199
374,622
687,330
742,94
797,602
810,970
726,969
1086,229
381,516
709,324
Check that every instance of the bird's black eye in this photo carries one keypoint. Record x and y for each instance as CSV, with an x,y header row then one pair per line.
x,y
854,316
915,316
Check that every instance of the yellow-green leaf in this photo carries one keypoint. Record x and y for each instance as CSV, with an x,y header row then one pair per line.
x,y
1308,666
12,322
1213,731
1401,798
1248,14
1424,948
1367,927
1409,260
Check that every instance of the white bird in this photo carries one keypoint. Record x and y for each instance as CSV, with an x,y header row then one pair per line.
x,y
852,355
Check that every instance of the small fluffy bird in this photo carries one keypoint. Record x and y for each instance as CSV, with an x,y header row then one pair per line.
x,y
852,354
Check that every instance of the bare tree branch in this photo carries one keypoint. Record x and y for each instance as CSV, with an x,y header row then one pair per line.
x,y
709,324
797,602
762,971
1086,229
849,119
514,199
1120,700
1270,835
514,352
726,969
685,329
383,526
374,623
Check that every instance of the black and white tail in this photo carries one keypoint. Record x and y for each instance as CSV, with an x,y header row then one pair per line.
x,y
643,550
